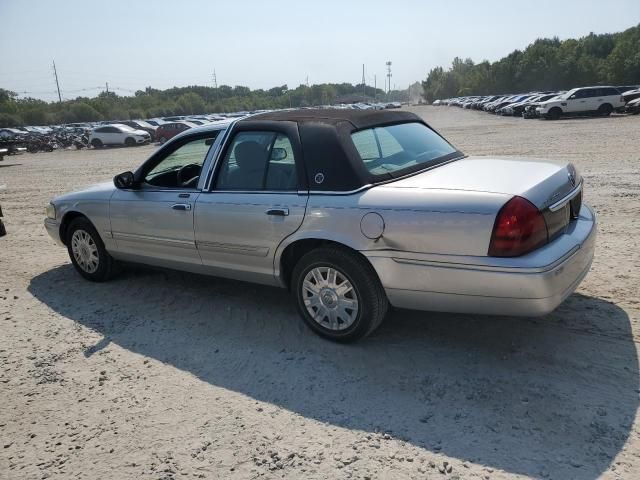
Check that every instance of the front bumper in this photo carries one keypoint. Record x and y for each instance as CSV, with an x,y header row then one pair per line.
x,y
53,229
531,285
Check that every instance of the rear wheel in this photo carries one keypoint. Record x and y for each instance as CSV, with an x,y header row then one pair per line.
x,y
554,113
338,294
129,142
87,251
96,143
605,110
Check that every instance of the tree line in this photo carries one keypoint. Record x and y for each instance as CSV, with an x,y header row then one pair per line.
x,y
546,64
192,100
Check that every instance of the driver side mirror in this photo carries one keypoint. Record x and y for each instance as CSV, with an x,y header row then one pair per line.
x,y
124,180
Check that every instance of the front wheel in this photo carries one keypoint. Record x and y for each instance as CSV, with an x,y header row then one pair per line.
x,y
554,113
338,294
129,142
87,251
96,143
605,110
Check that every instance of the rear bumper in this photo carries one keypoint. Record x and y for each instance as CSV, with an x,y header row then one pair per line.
x,y
531,285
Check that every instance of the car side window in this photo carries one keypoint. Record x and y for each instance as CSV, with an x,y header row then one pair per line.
x,y
181,168
258,161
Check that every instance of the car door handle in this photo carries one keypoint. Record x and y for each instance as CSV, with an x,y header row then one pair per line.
x,y
181,206
280,212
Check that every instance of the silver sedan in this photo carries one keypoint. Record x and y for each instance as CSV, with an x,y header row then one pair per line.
x,y
353,211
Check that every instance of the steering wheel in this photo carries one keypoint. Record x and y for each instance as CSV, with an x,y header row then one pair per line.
x,y
188,175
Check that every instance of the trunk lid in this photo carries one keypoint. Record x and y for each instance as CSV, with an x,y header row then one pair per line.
x,y
542,182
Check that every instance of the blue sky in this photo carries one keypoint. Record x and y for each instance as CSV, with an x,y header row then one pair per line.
x,y
260,44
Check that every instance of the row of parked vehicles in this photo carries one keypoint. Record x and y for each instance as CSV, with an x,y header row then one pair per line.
x,y
100,134
597,100
126,133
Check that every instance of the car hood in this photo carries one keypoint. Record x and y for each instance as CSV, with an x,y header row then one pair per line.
x,y
540,181
98,191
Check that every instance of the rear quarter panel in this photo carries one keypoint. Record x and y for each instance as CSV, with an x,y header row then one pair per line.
x,y
415,220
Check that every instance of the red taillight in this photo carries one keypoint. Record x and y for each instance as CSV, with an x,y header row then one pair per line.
x,y
519,229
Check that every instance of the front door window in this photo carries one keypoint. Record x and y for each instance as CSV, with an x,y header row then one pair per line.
x,y
181,168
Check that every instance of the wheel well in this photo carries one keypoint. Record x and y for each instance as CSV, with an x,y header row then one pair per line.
x,y
66,220
556,109
294,252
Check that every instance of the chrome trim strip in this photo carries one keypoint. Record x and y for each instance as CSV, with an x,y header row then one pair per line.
x,y
487,268
338,192
251,250
160,241
252,192
554,207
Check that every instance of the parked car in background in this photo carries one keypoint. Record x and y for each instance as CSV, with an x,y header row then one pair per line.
x,y
629,95
380,210
582,101
10,132
633,107
3,230
516,109
142,125
156,122
169,130
117,134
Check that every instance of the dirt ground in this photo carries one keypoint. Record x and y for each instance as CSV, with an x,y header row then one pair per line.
x,y
165,375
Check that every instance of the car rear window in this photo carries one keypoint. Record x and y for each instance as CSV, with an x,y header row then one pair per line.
x,y
391,148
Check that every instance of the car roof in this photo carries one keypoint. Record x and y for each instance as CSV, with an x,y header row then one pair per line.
x,y
358,118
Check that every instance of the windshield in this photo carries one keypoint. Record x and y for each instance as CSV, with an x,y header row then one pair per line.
x,y
396,147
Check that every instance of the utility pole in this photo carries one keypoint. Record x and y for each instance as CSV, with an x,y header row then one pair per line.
x,y
375,87
215,84
389,76
107,85
55,72
364,84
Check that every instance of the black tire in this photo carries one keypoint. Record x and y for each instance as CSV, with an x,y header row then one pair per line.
x,y
105,262
605,110
97,143
129,142
372,300
554,113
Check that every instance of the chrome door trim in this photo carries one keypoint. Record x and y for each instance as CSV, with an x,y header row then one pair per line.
x,y
215,158
212,154
251,250
157,240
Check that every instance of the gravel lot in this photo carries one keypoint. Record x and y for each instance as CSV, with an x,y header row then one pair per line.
x,y
167,375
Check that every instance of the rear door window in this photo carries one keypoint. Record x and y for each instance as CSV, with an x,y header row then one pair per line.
x,y
258,161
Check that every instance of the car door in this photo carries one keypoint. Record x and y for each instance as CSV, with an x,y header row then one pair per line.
x,y
578,102
108,135
154,222
256,199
